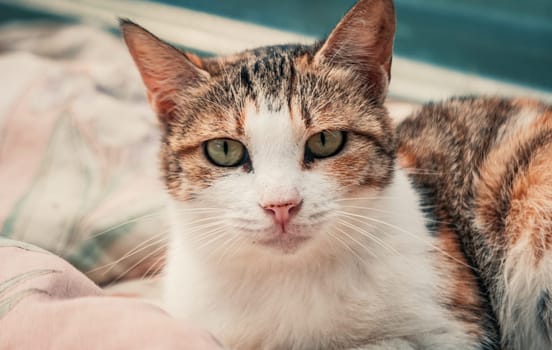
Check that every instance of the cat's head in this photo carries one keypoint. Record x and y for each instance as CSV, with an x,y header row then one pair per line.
x,y
266,147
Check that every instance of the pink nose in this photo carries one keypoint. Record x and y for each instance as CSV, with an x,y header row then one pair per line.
x,y
282,211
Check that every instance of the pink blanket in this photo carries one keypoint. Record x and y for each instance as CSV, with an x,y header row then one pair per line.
x,y
45,304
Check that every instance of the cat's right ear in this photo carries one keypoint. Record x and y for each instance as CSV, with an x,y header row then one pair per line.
x,y
363,42
165,70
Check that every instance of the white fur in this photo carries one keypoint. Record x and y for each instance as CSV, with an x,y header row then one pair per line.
x,y
331,290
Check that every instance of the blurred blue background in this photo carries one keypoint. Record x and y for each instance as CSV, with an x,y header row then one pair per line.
x,y
510,40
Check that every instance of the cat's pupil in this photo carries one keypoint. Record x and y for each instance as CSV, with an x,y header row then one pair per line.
x,y
323,139
225,147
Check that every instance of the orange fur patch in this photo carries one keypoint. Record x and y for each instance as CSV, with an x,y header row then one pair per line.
x,y
529,216
531,201
461,289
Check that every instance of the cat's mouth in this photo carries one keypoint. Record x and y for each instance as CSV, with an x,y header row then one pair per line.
x,y
288,243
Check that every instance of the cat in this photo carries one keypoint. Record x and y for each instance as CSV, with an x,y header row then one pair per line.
x,y
304,218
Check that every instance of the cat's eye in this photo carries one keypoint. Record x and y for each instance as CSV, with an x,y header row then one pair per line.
x,y
325,144
225,152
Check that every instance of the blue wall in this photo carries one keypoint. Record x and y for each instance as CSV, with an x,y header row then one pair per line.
x,y
504,39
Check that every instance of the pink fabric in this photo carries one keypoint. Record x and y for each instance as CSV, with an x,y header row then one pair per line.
x,y
46,304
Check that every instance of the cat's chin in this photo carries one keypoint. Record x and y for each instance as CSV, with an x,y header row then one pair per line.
x,y
284,243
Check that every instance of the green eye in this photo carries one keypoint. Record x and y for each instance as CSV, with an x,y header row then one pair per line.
x,y
326,143
225,152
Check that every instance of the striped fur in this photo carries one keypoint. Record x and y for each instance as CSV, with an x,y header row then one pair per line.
x,y
484,166
431,235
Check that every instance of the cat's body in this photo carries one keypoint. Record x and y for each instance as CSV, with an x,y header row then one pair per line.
x,y
302,219
486,172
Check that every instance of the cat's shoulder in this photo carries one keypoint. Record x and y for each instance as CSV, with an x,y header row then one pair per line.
x,y
470,112
462,130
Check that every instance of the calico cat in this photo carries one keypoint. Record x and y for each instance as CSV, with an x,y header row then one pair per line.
x,y
303,218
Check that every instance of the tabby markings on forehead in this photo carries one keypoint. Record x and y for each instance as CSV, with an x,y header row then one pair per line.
x,y
270,80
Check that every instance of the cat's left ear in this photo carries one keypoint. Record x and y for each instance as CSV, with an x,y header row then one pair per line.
x,y
363,41
165,70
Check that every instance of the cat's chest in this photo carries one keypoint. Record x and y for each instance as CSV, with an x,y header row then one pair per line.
x,y
304,312
292,315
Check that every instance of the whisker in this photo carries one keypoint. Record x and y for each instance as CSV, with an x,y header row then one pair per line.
x,y
154,267
196,228
216,234
160,212
374,220
393,213
208,226
159,270
368,208
368,235
152,253
137,249
121,224
429,244
343,243
146,244
367,249
202,227
208,238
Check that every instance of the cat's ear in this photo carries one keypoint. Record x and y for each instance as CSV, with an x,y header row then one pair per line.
x,y
165,70
363,41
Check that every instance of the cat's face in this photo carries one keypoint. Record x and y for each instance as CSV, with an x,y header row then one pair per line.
x,y
265,147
